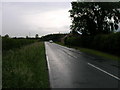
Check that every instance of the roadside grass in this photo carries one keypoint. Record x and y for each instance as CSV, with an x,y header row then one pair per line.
x,y
98,53
93,52
25,67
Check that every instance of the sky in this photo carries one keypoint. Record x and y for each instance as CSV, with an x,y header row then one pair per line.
x,y
30,18
21,18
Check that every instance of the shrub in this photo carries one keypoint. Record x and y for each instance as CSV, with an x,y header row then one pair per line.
x,y
75,41
109,42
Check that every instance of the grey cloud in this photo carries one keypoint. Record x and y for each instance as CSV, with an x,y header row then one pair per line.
x,y
14,13
37,0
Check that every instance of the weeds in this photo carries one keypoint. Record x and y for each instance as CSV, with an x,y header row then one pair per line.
x,y
25,68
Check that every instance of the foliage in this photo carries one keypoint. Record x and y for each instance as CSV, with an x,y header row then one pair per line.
x,y
54,37
107,42
91,18
10,43
75,41
6,36
36,36
25,67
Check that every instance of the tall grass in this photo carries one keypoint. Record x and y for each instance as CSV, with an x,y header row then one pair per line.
x,y
25,68
10,43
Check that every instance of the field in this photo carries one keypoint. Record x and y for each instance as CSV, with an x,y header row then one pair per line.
x,y
10,43
25,67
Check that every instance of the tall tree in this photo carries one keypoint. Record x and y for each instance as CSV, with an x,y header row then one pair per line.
x,y
36,36
91,18
6,36
27,37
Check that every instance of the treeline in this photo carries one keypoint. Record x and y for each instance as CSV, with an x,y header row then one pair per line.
x,y
105,42
12,43
54,37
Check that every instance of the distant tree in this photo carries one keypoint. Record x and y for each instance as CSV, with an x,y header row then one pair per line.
x,y
27,37
36,36
53,37
91,18
15,37
6,36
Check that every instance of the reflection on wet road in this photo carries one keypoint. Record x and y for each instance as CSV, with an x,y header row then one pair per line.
x,y
69,68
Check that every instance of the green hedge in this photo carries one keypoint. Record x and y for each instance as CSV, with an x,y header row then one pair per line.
x,y
75,41
83,41
109,43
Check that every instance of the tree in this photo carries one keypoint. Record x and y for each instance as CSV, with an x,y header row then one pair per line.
x,y
36,36
6,36
91,18
27,37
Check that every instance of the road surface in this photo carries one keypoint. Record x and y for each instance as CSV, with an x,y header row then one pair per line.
x,y
70,68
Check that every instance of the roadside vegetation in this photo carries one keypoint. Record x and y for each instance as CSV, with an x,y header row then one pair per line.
x,y
98,53
106,43
53,37
13,43
92,52
94,27
24,66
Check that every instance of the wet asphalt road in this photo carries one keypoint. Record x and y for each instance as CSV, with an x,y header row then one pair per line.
x,y
70,68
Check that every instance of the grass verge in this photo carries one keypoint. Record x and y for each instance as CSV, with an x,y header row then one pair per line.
x,y
25,67
93,52
98,53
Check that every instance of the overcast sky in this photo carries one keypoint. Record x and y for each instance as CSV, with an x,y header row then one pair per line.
x,y
30,17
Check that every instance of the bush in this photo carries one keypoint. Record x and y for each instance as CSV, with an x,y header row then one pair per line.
x,y
75,41
109,43
83,41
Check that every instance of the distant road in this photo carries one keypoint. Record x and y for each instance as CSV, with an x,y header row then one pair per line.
x,y
69,68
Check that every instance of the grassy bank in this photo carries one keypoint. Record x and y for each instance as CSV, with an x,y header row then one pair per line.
x,y
25,67
93,52
98,53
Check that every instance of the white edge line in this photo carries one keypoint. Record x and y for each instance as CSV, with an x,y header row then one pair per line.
x,y
47,58
48,65
104,71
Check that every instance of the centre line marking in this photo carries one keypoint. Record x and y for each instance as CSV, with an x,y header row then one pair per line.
x,y
104,71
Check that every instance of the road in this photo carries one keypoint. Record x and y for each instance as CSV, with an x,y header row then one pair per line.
x,y
70,68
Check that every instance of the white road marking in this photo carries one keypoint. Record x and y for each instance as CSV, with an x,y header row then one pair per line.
x,y
48,63
47,57
104,71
